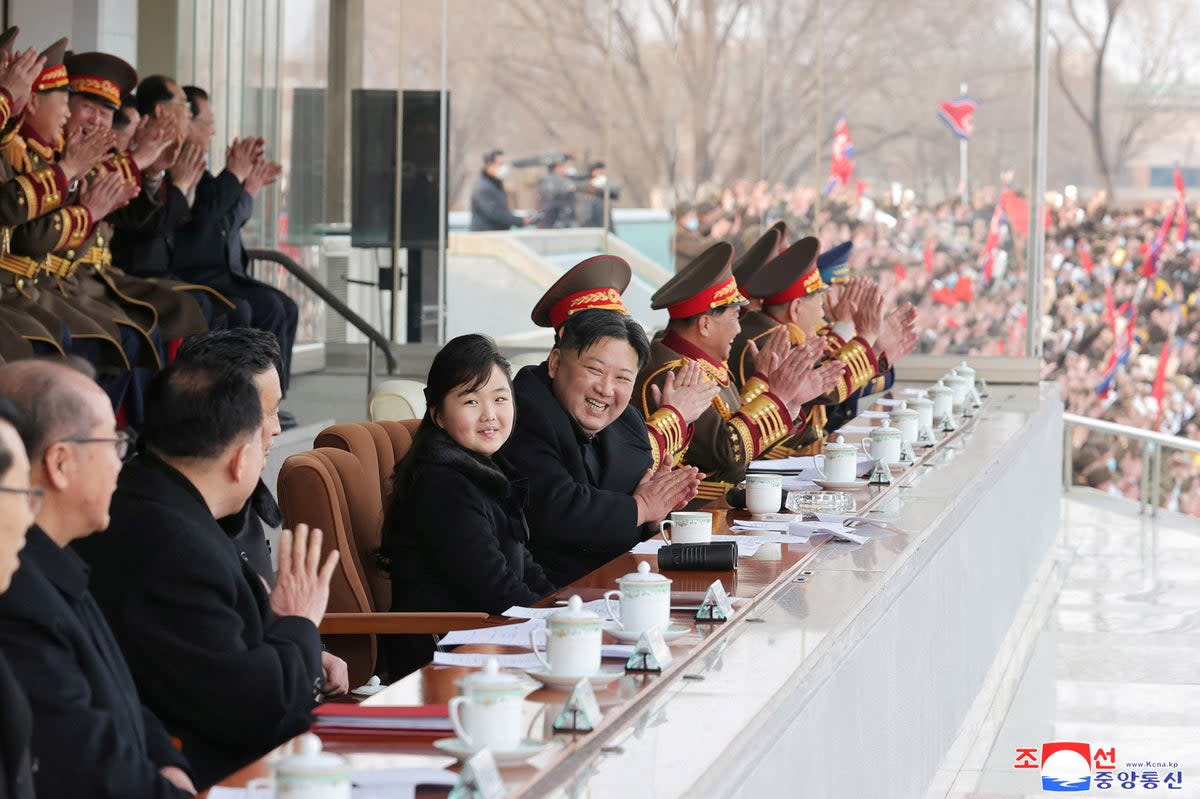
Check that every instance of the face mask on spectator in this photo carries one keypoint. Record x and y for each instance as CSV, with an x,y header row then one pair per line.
x,y
502,171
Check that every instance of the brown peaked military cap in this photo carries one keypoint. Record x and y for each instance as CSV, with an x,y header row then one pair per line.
x,y
594,283
759,252
53,76
788,275
704,284
101,76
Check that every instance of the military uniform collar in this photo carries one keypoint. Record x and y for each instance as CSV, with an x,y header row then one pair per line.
x,y
717,370
795,334
60,566
45,150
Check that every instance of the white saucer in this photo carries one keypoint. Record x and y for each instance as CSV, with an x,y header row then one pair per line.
x,y
598,680
853,485
456,747
672,633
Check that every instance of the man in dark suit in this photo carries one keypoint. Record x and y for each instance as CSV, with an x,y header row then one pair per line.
x,y
256,353
601,472
232,669
91,735
209,250
17,504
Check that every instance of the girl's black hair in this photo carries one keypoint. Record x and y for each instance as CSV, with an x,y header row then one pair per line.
x,y
465,364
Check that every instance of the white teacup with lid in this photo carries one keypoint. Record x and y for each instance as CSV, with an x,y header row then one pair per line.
x,y
924,408
907,421
840,461
645,600
967,372
488,713
959,385
309,774
884,443
572,641
943,400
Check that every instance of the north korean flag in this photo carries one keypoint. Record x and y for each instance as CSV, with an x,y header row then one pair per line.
x,y
959,116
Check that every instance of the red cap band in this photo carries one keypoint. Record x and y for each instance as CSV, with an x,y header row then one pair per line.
x,y
712,297
605,299
808,283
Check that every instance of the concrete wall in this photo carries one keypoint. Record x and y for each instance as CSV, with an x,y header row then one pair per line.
x,y
107,25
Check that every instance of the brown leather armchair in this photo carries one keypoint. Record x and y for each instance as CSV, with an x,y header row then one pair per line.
x,y
340,487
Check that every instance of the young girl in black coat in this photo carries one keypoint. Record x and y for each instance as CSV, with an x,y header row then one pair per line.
x,y
455,526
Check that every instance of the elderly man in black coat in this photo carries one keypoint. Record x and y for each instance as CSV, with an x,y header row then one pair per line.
x,y
91,735
232,669
489,203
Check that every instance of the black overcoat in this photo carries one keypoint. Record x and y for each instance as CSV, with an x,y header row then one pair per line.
x,y
458,539
578,521
92,737
230,678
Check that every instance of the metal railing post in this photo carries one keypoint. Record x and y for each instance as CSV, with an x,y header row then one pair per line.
x,y
1068,458
370,374
1156,480
1144,492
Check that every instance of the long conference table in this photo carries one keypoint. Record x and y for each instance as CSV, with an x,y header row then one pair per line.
x,y
843,672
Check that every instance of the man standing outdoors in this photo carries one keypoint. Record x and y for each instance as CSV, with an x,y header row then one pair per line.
x,y
489,202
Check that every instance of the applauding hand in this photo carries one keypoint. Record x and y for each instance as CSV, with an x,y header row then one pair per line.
x,y
687,391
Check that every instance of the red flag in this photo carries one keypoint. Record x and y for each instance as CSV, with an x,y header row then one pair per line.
x,y
929,257
964,289
841,164
1017,210
1150,265
988,259
959,116
1085,258
899,271
1160,379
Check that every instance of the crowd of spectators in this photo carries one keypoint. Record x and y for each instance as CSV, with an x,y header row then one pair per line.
x,y
971,298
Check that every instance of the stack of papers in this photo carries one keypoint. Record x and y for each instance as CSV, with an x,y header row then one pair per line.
x,y
336,717
508,635
596,606
524,660
801,470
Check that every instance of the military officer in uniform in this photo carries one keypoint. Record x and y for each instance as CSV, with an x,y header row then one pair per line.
x,y
772,242
791,290
57,223
603,472
97,82
22,197
703,301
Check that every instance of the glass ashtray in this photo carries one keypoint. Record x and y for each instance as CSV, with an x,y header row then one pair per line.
x,y
821,502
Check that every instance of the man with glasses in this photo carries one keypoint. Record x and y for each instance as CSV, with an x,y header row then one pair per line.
x,y
90,728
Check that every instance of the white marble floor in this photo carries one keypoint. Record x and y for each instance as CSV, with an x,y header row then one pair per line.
x,y
1106,652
